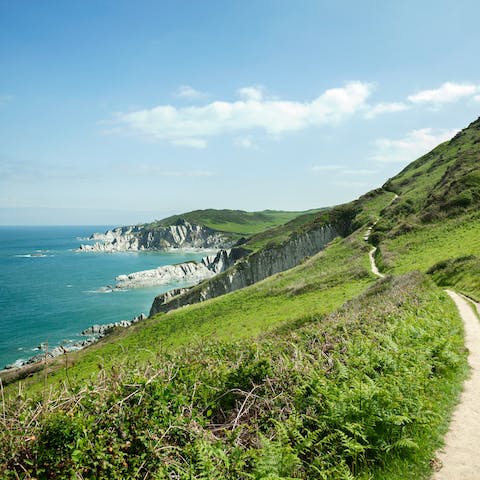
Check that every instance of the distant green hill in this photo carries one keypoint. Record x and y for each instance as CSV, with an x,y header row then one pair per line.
x,y
237,222
320,371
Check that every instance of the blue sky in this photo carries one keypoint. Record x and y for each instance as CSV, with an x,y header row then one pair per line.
x,y
117,112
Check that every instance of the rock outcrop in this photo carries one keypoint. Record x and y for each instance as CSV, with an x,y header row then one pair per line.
x,y
101,330
92,334
249,269
182,235
189,272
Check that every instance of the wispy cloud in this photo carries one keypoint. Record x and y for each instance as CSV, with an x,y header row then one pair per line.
x,y
186,91
198,143
447,93
254,93
190,126
413,145
244,142
380,108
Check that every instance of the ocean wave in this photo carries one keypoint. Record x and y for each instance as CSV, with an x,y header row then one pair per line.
x,y
100,290
33,255
16,364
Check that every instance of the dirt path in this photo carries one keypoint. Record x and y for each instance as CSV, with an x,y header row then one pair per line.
x,y
373,265
460,457
371,253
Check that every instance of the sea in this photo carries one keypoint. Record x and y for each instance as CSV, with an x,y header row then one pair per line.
x,y
50,292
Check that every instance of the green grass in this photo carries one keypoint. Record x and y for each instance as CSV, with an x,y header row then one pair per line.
x,y
362,392
366,210
421,248
237,222
462,274
321,371
314,288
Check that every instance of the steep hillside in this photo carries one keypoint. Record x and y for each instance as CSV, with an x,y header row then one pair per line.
x,y
235,222
274,251
436,217
442,184
320,371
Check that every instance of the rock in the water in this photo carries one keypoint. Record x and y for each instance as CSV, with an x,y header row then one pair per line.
x,y
190,272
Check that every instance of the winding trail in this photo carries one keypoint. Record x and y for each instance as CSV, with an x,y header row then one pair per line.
x,y
373,265
459,459
371,253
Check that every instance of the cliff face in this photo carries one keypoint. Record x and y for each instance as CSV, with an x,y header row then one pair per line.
x,y
249,270
182,235
191,272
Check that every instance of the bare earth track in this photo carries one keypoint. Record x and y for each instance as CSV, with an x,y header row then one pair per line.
x,y
460,457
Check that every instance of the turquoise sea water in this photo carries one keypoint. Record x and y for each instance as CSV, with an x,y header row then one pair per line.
x,y
50,292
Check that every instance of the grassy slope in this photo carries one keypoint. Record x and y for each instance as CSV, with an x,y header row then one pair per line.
x,y
353,389
307,292
303,391
461,273
237,222
364,390
369,207
436,217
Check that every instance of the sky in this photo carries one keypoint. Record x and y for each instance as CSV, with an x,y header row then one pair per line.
x,y
119,112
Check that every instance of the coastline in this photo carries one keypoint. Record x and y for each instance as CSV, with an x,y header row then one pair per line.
x,y
182,274
92,335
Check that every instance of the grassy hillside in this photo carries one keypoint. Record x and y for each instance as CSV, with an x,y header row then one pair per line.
x,y
436,217
322,371
237,222
441,185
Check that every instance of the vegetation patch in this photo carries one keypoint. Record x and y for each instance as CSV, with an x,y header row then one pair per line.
x,y
364,391
462,274
422,247
236,222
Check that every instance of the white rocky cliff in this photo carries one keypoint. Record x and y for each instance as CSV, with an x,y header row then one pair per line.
x,y
183,235
188,272
248,269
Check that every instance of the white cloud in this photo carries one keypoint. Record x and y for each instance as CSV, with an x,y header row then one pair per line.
x,y
181,126
186,91
446,93
254,94
380,108
198,143
415,144
244,142
477,98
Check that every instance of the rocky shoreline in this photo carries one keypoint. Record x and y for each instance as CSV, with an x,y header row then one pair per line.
x,y
93,334
180,236
191,272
